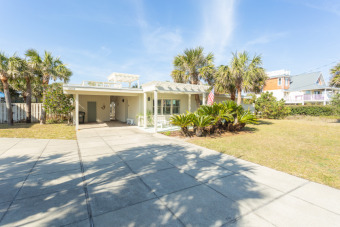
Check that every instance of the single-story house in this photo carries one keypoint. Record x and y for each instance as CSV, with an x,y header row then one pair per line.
x,y
155,101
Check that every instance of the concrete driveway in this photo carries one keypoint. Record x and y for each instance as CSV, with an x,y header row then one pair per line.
x,y
126,177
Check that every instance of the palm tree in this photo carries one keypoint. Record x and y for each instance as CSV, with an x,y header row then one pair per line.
x,y
50,68
335,71
23,83
247,74
224,82
189,67
4,76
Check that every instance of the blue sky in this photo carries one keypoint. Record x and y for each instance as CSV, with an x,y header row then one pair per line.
x,y
96,38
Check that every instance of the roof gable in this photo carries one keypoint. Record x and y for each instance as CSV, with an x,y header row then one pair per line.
x,y
306,81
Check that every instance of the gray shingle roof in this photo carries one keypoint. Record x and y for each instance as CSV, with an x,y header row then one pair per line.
x,y
306,81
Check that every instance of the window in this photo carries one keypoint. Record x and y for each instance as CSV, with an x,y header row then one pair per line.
x,y
279,82
159,106
286,81
166,106
175,106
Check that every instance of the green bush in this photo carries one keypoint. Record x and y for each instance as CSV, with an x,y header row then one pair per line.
x,y
219,117
312,110
336,104
268,107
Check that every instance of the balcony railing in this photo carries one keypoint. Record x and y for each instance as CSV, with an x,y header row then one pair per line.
x,y
101,84
307,98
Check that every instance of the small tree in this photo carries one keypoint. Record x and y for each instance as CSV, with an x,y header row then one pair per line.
x,y
57,102
336,104
269,107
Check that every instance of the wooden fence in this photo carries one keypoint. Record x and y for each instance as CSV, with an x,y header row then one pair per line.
x,y
19,112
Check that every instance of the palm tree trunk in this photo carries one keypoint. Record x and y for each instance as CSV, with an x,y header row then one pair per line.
x,y
43,110
239,98
8,100
233,96
28,100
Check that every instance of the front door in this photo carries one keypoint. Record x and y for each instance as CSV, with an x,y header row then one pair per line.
x,y
91,111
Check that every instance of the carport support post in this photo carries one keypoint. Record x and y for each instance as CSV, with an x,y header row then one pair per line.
x,y
204,99
145,121
155,99
77,112
189,102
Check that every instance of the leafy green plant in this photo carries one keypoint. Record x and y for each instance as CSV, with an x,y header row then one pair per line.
x,y
269,107
312,110
200,122
183,121
57,103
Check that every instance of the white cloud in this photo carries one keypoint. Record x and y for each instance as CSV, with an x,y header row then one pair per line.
x,y
218,26
265,39
332,6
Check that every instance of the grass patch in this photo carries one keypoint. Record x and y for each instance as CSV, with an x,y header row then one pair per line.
x,y
304,148
37,131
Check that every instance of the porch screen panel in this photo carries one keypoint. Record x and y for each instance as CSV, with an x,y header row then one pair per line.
x,y
175,106
167,106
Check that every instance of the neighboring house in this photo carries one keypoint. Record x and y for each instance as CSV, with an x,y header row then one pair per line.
x,y
299,89
105,101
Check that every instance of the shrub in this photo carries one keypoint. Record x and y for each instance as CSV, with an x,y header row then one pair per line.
x,y
183,121
269,107
225,116
312,110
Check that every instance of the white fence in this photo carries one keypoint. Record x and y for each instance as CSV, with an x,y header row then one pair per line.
x,y
19,112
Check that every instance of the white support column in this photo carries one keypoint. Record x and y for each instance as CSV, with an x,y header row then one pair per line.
x,y
155,99
204,99
138,83
189,102
145,105
77,112
324,97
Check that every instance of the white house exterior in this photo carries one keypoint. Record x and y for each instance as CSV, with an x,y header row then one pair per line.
x,y
299,89
105,101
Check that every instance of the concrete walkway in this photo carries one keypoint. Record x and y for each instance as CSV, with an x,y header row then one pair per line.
x,y
127,177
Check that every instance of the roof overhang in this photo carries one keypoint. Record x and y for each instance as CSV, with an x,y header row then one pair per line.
x,y
171,87
83,90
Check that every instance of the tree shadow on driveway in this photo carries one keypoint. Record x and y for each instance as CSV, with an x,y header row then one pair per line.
x,y
149,185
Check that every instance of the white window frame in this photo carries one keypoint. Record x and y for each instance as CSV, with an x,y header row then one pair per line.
x,y
286,81
279,81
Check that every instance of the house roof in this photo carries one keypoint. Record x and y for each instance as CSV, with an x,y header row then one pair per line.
x,y
306,81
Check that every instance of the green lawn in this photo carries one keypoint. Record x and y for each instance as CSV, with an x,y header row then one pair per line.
x,y
37,131
304,148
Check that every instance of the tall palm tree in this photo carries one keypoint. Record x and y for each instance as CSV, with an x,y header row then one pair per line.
x,y
335,71
188,67
248,74
23,83
50,68
4,76
224,82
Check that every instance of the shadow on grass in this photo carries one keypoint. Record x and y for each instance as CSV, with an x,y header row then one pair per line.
x,y
124,187
264,122
17,125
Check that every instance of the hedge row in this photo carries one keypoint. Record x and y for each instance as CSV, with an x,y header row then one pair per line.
x,y
312,110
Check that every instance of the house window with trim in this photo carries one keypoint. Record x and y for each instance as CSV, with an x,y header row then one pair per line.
x,y
286,81
159,106
175,106
166,106
279,82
